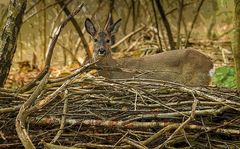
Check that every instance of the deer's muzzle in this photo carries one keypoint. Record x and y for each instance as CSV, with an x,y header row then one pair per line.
x,y
101,52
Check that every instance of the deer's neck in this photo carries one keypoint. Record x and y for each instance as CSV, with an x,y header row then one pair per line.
x,y
107,61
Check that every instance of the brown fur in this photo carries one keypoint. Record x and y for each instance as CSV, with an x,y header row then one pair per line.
x,y
186,66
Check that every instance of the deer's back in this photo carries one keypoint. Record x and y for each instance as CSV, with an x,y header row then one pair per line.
x,y
183,66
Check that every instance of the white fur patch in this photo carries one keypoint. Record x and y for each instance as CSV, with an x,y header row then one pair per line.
x,y
211,72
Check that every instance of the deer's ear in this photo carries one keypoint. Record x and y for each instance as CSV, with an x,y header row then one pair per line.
x,y
113,28
90,27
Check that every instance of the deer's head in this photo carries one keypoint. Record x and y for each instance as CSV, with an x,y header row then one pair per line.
x,y
102,38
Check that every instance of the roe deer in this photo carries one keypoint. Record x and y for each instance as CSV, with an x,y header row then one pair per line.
x,y
186,66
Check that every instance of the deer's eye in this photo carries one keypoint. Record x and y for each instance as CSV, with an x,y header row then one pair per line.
x,y
95,40
108,41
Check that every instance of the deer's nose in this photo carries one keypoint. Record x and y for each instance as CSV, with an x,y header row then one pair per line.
x,y
101,51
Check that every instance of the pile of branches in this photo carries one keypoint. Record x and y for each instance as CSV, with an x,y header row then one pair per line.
x,y
82,111
94,112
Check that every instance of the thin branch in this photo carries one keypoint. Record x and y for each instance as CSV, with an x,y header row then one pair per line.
x,y
31,7
193,22
78,29
128,36
157,26
183,125
40,10
51,46
180,11
166,24
63,119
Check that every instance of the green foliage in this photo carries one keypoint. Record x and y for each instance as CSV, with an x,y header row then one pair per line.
x,y
225,77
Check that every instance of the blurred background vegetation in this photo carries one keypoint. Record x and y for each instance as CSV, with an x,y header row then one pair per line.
x,y
211,33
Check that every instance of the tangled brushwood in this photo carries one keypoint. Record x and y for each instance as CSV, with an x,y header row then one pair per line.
x,y
131,113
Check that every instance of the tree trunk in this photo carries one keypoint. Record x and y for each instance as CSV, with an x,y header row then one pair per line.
x,y
113,38
180,11
9,36
236,41
166,24
211,32
157,26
